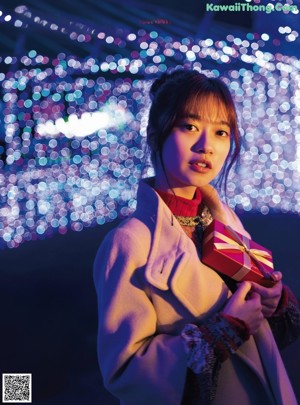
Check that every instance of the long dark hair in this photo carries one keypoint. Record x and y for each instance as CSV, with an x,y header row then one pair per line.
x,y
175,94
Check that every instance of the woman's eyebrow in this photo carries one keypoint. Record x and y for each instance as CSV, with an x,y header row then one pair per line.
x,y
197,117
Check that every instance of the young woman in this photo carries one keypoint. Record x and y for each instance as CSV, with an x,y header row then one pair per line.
x,y
172,330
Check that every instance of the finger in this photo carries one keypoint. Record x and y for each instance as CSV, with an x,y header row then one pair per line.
x,y
267,292
254,296
276,275
263,291
243,289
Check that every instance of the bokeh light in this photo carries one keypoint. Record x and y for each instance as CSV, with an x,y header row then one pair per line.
x,y
72,140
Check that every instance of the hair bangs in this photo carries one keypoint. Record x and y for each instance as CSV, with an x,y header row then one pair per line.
x,y
211,106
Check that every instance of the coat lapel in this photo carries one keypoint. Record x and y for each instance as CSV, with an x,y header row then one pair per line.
x,y
173,261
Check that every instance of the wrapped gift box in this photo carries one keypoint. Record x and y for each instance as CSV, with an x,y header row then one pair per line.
x,y
236,256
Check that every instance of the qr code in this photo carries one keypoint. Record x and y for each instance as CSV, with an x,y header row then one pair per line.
x,y
16,388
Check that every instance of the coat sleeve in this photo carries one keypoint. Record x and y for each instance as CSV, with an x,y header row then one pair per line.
x,y
285,322
137,364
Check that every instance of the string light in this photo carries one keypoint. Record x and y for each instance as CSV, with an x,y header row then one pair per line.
x,y
74,150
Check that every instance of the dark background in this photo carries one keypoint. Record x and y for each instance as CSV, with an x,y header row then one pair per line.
x,y
49,316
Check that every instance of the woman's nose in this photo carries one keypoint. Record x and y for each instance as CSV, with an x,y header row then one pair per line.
x,y
204,143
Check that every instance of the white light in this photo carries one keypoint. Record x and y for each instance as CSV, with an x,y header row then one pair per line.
x,y
131,37
228,50
50,128
265,37
61,125
190,55
112,116
288,29
18,23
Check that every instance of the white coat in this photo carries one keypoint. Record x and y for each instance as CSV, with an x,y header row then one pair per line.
x,y
150,283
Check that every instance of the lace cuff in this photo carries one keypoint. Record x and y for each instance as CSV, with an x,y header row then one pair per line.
x,y
213,341
285,322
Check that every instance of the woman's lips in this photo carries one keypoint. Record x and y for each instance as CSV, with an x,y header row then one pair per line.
x,y
200,166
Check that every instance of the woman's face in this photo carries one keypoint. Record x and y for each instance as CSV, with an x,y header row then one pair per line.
x,y
195,151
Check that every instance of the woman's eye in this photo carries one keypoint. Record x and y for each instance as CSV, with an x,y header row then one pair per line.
x,y
189,127
222,133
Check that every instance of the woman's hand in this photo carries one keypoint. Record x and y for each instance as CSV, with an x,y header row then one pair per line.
x,y
245,305
269,297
